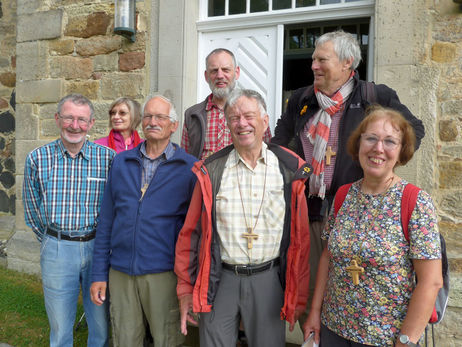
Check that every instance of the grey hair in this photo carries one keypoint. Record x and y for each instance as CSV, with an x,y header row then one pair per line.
x,y
76,99
346,46
172,114
134,108
249,93
220,50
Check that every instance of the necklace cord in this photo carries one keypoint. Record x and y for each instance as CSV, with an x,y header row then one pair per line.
x,y
249,229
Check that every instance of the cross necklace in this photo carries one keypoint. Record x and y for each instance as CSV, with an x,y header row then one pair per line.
x,y
354,269
250,235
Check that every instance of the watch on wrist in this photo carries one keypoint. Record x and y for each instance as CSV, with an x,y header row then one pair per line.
x,y
404,339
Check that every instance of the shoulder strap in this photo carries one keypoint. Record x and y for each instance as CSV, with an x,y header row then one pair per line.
x,y
408,202
308,91
340,197
368,91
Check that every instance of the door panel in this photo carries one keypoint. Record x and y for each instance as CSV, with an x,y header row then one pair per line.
x,y
259,54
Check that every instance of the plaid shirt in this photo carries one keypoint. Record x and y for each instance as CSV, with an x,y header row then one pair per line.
x,y
150,165
65,193
217,134
233,221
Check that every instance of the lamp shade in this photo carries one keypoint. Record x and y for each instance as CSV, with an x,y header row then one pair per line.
x,y
124,18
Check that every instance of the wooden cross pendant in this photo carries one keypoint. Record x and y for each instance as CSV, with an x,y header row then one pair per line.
x,y
355,271
329,154
250,236
143,190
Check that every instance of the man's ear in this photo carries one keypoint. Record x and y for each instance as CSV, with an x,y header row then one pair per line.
x,y
175,126
348,63
90,125
238,72
266,122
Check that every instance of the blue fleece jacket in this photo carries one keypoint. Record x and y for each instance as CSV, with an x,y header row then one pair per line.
x,y
137,235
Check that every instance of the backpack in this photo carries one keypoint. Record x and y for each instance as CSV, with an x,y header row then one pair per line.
x,y
408,202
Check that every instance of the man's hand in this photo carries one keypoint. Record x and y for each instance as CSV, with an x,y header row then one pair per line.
x,y
186,305
297,314
98,292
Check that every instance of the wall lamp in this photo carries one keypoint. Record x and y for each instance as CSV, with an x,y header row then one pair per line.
x,y
124,19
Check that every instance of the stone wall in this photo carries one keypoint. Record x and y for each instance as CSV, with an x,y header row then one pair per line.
x,y
7,104
62,47
7,121
446,56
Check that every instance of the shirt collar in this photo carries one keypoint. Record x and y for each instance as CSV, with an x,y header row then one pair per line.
x,y
166,154
210,104
235,158
84,151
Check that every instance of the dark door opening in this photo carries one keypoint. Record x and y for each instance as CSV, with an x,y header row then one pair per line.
x,y
299,42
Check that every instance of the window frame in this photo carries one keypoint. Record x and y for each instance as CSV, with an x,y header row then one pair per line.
x,y
342,10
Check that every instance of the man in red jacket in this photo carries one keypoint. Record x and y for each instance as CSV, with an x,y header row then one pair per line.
x,y
243,251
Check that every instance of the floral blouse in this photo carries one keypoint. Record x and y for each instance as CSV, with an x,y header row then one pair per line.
x,y
368,229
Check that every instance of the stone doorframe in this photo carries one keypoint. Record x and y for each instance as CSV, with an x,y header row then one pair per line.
x,y
173,53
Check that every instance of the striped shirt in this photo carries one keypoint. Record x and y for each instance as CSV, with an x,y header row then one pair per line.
x,y
64,193
217,134
150,165
231,220
308,147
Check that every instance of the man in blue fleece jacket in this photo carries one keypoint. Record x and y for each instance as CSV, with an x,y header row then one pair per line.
x,y
144,206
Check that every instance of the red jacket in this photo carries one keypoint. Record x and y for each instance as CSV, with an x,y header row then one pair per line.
x,y
198,249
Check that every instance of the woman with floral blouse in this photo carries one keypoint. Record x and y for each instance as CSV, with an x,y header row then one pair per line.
x,y
366,293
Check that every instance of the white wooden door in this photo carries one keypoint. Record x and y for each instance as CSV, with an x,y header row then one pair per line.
x,y
259,54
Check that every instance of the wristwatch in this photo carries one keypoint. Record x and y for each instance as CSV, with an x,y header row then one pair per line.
x,y
404,339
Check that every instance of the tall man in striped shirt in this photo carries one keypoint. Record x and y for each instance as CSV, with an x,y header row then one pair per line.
x,y
205,131
62,192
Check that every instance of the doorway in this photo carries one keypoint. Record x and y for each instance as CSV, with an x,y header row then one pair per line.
x,y
299,42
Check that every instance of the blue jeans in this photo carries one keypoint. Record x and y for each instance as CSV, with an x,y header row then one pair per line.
x,y
66,267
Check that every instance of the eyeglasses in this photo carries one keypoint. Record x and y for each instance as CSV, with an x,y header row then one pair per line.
x,y
389,143
68,120
157,117
112,113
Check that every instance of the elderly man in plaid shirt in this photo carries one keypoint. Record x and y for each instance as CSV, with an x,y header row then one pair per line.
x,y
243,251
62,192
205,131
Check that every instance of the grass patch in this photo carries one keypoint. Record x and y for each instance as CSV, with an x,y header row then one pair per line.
x,y
22,311
23,319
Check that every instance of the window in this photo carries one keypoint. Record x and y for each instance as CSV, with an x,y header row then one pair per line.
x,y
236,7
299,42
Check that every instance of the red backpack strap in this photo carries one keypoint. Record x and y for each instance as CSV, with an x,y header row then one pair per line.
x,y
340,197
408,202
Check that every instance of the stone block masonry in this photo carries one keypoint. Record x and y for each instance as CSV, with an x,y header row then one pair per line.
x,y
7,119
40,91
40,26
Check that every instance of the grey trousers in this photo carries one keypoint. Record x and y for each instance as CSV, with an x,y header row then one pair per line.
x,y
256,300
